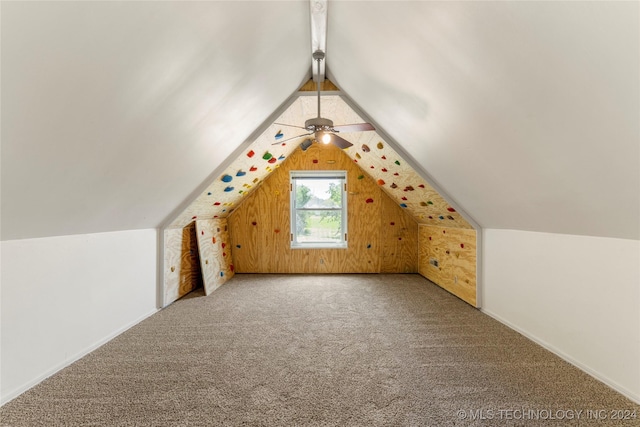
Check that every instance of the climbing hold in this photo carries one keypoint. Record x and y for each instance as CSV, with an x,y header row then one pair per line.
x,y
397,162
173,269
450,217
268,169
404,198
430,217
403,205
194,217
213,239
228,189
241,173
281,157
202,232
441,217
384,157
429,237
396,174
372,167
221,274
206,261
408,188
272,160
421,185
423,204
209,193
393,185
369,200
254,223
231,267
355,161
462,245
392,223
399,238
279,135
277,230
238,246
223,245
224,254
369,246
360,176
358,156
216,204
365,148
444,231
250,153
253,169
429,202
447,252
450,209
380,182
384,169
380,146
255,181
315,160
267,155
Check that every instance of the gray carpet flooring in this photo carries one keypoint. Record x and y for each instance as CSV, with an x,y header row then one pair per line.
x,y
352,350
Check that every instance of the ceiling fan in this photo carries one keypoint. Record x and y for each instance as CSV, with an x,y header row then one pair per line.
x,y
322,128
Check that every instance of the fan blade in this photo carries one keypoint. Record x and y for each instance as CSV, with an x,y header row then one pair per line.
x,y
291,126
340,142
293,137
358,127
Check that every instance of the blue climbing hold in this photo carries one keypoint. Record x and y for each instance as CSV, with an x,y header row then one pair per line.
x,y
226,178
241,173
403,205
228,189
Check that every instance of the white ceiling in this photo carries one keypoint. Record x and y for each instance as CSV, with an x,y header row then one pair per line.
x,y
526,113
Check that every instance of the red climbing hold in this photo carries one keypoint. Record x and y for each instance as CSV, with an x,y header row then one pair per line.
x,y
315,160
369,200
384,169
250,153
216,204
396,174
253,169
223,245
450,209
254,223
272,160
462,245
392,223
421,185
404,198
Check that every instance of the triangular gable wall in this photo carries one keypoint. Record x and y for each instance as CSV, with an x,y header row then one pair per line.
x,y
371,152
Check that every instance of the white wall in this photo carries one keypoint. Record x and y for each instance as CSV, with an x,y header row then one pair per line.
x,y
64,296
578,296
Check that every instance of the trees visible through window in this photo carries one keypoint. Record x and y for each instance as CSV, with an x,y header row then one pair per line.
x,y
318,209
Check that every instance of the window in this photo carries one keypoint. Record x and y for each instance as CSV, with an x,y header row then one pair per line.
x,y
318,209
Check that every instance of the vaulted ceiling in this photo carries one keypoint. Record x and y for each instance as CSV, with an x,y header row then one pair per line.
x,y
114,114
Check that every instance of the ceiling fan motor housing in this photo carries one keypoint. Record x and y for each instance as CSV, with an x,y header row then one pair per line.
x,y
319,124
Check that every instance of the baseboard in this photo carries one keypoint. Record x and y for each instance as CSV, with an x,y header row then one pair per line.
x,y
17,392
607,381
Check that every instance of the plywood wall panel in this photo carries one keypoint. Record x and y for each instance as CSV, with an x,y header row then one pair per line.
x,y
400,236
454,249
181,262
268,208
214,249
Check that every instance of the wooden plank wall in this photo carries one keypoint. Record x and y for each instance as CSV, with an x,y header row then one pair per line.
x,y
454,249
181,262
215,253
381,236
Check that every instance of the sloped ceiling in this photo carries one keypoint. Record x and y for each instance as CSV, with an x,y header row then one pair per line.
x,y
114,113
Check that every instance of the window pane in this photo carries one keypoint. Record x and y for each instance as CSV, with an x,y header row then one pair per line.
x,y
318,193
319,226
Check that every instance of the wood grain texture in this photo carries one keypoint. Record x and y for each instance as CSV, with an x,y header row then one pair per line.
x,y
214,249
455,251
399,231
181,263
311,86
260,226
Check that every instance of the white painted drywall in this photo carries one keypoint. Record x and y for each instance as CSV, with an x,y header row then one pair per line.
x,y
577,296
64,296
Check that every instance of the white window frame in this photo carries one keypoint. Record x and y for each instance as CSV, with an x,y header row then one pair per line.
x,y
311,174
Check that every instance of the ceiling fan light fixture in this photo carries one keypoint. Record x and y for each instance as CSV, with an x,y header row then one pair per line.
x,y
326,138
